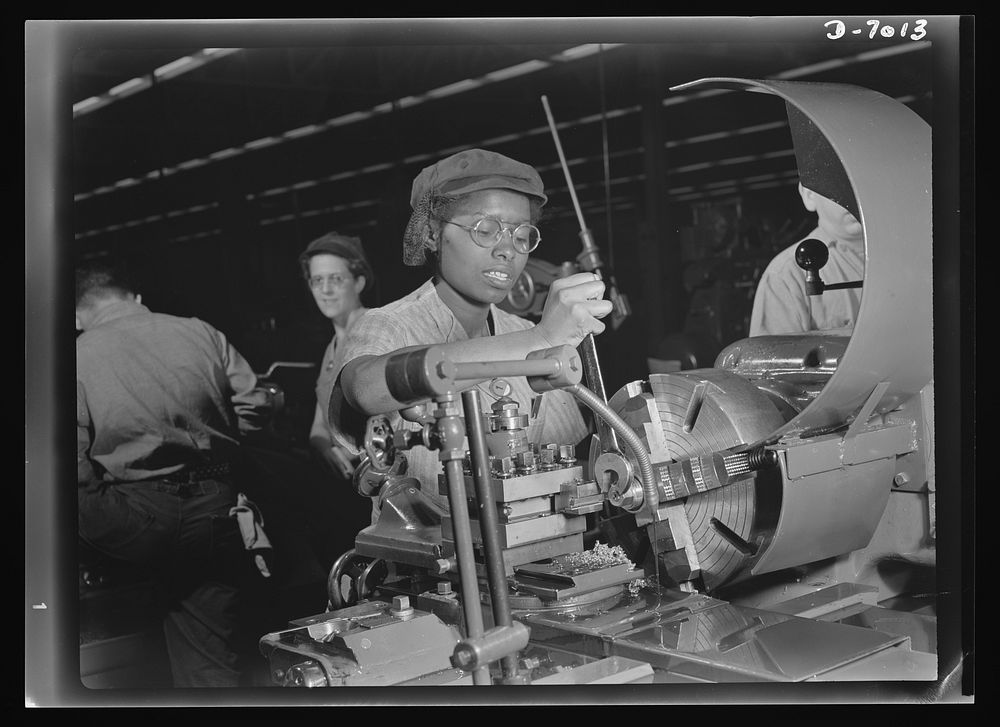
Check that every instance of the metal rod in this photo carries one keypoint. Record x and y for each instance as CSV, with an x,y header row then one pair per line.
x,y
562,160
607,157
843,286
286,364
492,646
488,520
587,347
451,432
462,533
492,369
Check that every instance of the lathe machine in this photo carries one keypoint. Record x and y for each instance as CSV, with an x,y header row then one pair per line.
x,y
768,519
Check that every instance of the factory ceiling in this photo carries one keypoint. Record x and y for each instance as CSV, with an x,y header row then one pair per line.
x,y
308,127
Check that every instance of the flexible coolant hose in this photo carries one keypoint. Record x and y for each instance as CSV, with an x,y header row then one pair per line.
x,y
624,431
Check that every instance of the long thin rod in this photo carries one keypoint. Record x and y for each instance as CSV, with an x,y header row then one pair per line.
x,y
588,347
479,370
607,158
462,533
562,160
488,521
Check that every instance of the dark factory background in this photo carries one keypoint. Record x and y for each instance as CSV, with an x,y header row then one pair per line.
x,y
210,166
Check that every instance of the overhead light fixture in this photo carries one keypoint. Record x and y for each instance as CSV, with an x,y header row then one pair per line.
x,y
520,69
131,86
469,84
452,88
742,131
292,216
147,220
731,186
870,55
223,154
256,144
142,83
88,104
582,51
192,163
196,235
189,63
303,131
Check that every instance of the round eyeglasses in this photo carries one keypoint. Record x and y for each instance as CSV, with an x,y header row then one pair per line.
x,y
488,231
319,282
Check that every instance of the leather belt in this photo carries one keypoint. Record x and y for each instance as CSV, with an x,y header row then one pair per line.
x,y
186,489
216,471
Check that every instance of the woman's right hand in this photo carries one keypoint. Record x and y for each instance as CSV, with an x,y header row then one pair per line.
x,y
572,310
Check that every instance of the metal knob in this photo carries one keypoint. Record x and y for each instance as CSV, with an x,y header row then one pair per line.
x,y
811,255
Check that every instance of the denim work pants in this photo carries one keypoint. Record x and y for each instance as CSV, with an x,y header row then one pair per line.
x,y
185,535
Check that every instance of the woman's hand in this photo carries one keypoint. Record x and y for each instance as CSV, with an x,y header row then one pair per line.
x,y
572,310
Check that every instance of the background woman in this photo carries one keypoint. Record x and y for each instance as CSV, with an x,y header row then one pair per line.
x,y
337,272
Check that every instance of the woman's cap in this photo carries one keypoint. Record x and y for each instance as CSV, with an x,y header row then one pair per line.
x,y
345,246
473,170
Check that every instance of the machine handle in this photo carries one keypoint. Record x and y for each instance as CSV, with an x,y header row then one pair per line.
x,y
424,373
590,260
811,255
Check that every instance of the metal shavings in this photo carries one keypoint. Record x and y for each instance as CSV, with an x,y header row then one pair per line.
x,y
600,556
637,585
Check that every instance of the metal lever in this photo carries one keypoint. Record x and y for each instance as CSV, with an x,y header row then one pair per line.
x,y
497,643
590,260
811,255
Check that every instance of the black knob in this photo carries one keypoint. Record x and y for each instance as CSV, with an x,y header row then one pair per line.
x,y
811,255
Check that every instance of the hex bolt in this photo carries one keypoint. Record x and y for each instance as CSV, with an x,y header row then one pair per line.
x,y
900,479
401,607
547,456
504,404
567,455
503,466
525,461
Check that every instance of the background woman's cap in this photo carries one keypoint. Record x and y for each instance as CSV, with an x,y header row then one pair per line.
x,y
820,169
473,170
345,246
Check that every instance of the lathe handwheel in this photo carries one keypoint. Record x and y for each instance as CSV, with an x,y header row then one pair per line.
x,y
364,574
